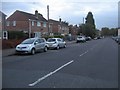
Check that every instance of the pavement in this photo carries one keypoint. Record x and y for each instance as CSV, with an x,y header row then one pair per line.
x,y
8,52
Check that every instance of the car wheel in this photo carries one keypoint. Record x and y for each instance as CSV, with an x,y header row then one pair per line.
x,y
45,49
58,47
65,46
33,51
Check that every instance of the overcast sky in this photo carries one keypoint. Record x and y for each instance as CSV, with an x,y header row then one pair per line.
x,y
105,12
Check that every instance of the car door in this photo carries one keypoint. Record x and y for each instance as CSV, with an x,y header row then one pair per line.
x,y
37,44
60,42
63,42
42,43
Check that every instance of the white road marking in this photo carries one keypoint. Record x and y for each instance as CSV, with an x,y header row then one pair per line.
x,y
84,53
51,73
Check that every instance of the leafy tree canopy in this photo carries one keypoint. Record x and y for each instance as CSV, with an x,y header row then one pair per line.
x,y
90,19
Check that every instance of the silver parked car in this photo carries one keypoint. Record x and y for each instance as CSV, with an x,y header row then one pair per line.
x,y
56,43
81,39
32,45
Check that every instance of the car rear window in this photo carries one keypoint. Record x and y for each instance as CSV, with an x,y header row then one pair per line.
x,y
79,37
51,40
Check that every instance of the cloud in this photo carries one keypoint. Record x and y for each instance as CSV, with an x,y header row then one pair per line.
x,y
105,11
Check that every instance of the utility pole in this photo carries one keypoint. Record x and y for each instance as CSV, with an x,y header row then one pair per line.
x,y
29,31
60,21
83,20
48,19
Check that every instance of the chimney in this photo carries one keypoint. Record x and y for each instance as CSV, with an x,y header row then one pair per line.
x,y
36,13
59,19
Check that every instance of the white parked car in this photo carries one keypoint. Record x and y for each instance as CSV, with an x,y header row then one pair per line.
x,y
56,43
32,45
81,39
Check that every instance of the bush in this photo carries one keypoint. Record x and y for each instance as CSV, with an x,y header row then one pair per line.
x,y
16,35
6,44
56,36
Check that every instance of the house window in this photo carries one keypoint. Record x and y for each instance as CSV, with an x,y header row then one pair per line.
x,y
14,23
38,24
32,23
8,23
44,24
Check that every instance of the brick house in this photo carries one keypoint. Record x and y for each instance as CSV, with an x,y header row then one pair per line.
x,y
58,27
73,30
2,24
26,22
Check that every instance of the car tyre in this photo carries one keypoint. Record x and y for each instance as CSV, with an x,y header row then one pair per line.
x,y
45,49
65,46
33,51
58,47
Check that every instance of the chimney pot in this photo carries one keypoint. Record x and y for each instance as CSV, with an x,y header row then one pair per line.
x,y
36,13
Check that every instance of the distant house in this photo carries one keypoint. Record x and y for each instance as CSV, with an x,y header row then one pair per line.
x,y
54,27
2,25
73,30
58,27
26,22
64,28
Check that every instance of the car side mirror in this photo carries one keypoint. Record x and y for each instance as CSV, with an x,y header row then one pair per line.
x,y
35,43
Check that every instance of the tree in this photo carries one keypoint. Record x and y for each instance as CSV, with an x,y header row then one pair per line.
x,y
88,29
82,29
114,31
90,20
108,32
105,31
90,25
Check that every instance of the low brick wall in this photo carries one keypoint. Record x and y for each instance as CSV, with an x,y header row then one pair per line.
x,y
7,44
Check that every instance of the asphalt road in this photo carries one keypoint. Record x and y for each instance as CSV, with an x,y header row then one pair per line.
x,y
93,64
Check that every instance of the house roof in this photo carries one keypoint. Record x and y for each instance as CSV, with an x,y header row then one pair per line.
x,y
2,14
54,21
58,22
32,16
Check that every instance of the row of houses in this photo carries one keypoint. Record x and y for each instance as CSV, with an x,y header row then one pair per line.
x,y
32,24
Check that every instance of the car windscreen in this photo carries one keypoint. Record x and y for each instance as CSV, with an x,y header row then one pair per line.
x,y
51,40
28,41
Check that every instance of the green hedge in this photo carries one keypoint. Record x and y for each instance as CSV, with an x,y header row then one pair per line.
x,y
56,36
16,35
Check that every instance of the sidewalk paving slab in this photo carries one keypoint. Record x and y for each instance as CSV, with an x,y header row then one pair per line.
x,y
7,52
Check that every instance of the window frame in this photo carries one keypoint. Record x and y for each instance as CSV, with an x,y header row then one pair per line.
x,y
44,24
7,23
14,23
33,23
